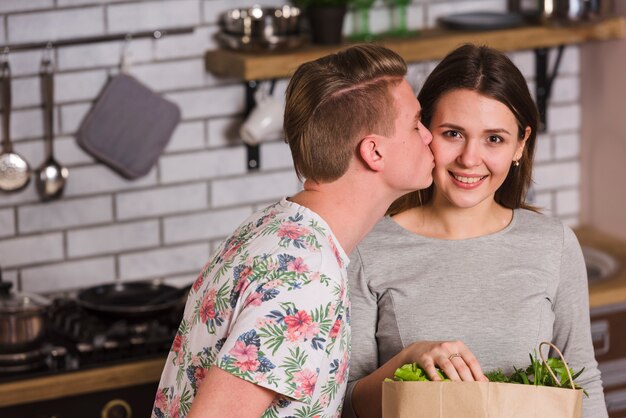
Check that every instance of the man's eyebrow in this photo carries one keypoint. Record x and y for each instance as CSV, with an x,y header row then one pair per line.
x,y
418,116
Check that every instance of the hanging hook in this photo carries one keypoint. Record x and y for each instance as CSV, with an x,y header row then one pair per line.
x,y
124,53
47,52
5,55
46,59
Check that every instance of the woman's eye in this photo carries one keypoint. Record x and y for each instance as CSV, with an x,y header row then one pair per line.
x,y
452,134
494,139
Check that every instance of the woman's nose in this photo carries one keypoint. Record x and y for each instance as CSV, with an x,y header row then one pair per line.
x,y
470,155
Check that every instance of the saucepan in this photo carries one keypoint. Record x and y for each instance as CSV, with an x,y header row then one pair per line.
x,y
23,319
578,10
563,11
131,299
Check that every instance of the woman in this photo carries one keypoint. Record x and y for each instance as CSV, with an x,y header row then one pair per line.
x,y
465,276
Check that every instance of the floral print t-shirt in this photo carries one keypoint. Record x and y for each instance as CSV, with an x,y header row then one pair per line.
x,y
271,307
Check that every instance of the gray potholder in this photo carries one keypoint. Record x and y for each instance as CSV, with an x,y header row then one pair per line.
x,y
128,126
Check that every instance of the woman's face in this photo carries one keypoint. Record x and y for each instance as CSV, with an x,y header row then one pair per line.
x,y
475,141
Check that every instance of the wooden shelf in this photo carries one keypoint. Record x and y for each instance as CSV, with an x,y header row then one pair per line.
x,y
431,44
80,382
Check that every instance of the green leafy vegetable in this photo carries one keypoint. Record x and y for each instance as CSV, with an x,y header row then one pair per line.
x,y
412,372
536,374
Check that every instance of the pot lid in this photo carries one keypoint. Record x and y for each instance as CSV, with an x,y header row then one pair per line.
x,y
13,302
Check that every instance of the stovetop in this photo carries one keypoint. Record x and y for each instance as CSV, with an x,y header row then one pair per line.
x,y
79,340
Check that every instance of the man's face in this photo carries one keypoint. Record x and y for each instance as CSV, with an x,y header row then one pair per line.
x,y
410,162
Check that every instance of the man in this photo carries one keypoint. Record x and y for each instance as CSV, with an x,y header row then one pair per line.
x,y
266,326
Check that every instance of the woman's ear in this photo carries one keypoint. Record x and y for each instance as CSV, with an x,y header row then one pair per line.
x,y
370,151
522,143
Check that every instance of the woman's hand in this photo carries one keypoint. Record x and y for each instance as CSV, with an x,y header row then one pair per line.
x,y
452,357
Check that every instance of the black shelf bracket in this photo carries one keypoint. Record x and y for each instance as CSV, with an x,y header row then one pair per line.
x,y
543,82
253,153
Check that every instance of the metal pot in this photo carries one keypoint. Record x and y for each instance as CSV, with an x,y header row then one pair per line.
x,y
562,11
131,299
23,319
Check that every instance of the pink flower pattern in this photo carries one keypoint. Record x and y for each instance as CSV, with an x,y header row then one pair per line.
x,y
289,331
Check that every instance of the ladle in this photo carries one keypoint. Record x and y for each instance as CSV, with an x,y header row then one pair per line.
x,y
14,170
50,176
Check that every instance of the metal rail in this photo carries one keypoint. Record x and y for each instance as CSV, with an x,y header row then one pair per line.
x,y
156,34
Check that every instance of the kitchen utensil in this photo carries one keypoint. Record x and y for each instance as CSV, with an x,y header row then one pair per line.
x,y
265,122
562,11
128,127
23,319
130,300
261,22
246,44
260,28
482,20
14,170
50,176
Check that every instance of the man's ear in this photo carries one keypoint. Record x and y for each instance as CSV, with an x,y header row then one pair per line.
x,y
370,151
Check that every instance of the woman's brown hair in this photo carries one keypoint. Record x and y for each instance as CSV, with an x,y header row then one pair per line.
x,y
334,101
490,73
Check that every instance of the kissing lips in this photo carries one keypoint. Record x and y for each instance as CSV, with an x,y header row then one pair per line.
x,y
467,182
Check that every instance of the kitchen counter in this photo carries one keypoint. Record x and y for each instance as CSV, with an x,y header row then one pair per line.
x,y
612,290
80,382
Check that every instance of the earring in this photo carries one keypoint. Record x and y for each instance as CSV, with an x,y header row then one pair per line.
x,y
515,163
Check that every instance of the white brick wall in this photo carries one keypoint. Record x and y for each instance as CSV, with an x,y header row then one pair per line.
x,y
164,200
170,75
203,226
163,262
134,17
56,24
7,222
98,179
105,54
65,213
23,6
187,136
113,239
203,165
31,250
165,224
69,275
77,86
255,188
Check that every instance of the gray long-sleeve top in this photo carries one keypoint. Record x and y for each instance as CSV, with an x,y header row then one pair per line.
x,y
501,294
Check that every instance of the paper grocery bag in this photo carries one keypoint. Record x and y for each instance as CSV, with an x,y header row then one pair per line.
x,y
478,400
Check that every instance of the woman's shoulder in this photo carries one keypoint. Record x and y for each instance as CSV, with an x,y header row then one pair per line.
x,y
527,218
542,227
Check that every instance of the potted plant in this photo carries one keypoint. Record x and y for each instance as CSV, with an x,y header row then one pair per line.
x,y
325,19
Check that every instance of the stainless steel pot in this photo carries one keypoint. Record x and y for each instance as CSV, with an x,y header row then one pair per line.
x,y
22,319
562,11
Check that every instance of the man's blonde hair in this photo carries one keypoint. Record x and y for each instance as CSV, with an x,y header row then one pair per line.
x,y
336,100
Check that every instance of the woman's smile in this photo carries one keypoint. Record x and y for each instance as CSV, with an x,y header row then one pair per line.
x,y
467,181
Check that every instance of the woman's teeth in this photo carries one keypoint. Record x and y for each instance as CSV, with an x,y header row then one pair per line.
x,y
468,180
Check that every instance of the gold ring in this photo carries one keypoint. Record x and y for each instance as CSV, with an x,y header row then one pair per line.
x,y
453,355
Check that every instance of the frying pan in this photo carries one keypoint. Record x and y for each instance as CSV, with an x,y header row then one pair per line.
x,y
131,300
14,170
